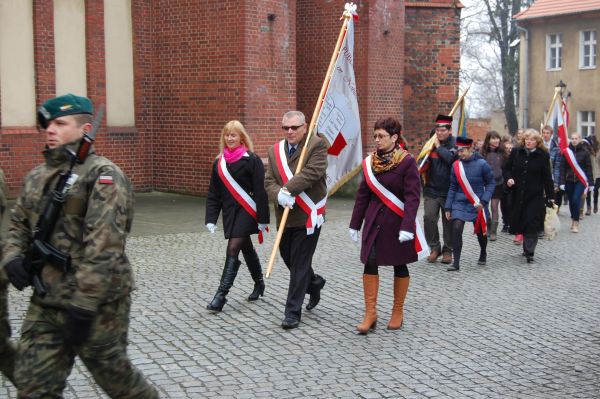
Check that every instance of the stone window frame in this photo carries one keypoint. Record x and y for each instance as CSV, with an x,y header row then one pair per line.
x,y
592,44
586,123
554,48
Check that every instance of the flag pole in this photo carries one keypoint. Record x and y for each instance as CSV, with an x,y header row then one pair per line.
x,y
429,143
556,91
338,46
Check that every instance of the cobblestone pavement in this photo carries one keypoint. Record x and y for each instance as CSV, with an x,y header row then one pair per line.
x,y
505,330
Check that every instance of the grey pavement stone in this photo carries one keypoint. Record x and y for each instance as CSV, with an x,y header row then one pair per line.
x,y
505,330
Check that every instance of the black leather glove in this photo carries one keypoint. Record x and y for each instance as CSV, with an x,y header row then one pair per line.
x,y
78,325
18,274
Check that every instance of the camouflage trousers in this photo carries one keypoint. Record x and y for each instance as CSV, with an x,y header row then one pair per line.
x,y
44,361
7,349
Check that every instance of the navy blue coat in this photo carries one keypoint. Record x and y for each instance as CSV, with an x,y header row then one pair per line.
x,y
481,177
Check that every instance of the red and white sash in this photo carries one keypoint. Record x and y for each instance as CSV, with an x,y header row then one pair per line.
x,y
238,193
570,157
481,221
395,204
312,210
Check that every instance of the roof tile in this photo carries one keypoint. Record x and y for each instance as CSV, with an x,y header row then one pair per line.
x,y
549,8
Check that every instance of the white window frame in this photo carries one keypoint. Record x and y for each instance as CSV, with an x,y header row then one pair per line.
x,y
589,123
592,44
554,48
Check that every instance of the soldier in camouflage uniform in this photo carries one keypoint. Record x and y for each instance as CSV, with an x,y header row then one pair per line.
x,y
85,312
7,349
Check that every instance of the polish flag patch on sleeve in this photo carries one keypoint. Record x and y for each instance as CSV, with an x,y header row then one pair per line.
x,y
104,179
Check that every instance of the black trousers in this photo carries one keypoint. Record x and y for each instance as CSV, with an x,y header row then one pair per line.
x,y
297,249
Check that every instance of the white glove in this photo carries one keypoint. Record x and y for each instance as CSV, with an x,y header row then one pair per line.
x,y
353,234
285,199
262,227
405,236
591,188
562,187
211,227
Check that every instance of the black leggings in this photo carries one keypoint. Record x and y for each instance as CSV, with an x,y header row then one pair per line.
x,y
457,230
237,244
373,269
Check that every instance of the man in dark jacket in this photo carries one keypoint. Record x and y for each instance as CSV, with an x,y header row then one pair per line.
x,y
436,189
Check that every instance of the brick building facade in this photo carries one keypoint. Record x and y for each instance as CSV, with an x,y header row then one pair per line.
x,y
198,64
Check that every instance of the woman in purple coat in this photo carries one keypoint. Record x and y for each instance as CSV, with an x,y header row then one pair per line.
x,y
387,239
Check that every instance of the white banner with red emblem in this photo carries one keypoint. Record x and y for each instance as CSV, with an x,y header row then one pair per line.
x,y
313,211
396,205
339,120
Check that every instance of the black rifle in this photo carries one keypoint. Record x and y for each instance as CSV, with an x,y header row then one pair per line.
x,y
41,251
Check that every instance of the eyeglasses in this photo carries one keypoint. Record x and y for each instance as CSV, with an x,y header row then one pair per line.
x,y
380,136
294,128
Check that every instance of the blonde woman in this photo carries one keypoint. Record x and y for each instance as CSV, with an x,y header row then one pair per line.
x,y
527,172
237,182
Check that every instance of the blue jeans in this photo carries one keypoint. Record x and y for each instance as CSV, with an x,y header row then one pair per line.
x,y
574,191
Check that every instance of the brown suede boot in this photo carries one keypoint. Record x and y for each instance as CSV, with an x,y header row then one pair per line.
x,y
370,287
400,290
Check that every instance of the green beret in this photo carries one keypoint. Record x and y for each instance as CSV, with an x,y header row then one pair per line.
x,y
69,104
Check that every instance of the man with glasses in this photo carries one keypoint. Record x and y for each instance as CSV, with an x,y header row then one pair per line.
x,y
436,190
305,194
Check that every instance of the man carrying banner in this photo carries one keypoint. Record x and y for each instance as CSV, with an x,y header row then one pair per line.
x,y
305,194
436,173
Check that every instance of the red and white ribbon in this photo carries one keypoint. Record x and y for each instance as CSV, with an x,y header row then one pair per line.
x,y
313,211
238,193
396,205
570,157
481,221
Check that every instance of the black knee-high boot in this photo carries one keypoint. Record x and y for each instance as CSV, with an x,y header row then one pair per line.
x,y
482,239
255,269
230,270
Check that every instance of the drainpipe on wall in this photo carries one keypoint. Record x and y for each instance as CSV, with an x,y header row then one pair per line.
x,y
526,80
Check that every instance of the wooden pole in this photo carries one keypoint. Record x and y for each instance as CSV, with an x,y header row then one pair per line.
x,y
309,132
556,91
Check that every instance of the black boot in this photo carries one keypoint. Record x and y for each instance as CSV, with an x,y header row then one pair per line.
x,y
230,270
255,269
482,257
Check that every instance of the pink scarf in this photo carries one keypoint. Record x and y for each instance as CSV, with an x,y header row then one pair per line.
x,y
234,155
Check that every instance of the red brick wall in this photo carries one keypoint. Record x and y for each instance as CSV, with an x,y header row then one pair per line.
x,y
197,66
478,128
377,56
432,65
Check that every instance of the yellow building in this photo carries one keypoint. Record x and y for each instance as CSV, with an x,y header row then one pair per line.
x,y
559,47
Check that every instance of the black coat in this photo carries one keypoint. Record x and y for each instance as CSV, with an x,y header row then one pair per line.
x,y
440,164
532,175
249,173
582,155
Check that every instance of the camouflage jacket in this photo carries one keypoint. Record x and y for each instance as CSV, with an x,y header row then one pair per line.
x,y
3,195
93,225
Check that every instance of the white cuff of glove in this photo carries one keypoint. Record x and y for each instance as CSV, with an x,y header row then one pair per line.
x,y
211,227
353,235
562,187
405,236
285,199
262,227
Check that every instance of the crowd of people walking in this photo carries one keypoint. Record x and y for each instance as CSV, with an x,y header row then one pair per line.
x,y
83,279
